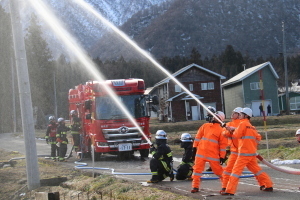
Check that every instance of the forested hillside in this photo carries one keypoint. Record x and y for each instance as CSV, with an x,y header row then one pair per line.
x,y
252,27
50,75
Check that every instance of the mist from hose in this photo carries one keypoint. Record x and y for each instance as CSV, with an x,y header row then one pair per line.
x,y
74,47
90,9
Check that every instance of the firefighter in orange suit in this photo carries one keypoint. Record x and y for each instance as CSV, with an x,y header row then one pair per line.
x,y
233,143
248,139
211,147
51,137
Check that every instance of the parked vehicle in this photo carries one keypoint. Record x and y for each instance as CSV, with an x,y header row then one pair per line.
x,y
104,126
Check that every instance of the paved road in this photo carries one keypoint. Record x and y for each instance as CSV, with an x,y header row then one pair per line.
x,y
286,186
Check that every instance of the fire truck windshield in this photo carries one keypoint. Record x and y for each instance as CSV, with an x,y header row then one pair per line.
x,y
107,109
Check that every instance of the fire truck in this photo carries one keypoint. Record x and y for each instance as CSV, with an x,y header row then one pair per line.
x,y
104,126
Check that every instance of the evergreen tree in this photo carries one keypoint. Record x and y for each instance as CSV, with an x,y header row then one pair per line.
x,y
41,71
6,65
195,57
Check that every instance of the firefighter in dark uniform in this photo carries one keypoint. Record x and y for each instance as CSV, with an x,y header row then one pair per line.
x,y
61,138
51,137
185,168
161,165
75,129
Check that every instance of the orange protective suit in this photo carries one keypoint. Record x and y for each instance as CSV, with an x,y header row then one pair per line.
x,y
211,146
233,143
248,139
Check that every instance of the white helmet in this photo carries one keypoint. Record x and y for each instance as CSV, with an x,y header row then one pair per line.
x,y
247,111
221,115
73,112
51,118
60,120
161,134
297,132
212,109
186,137
237,109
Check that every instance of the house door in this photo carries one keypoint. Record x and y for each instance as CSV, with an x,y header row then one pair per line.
x,y
255,107
195,113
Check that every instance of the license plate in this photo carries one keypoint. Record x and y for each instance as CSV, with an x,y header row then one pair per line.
x,y
125,147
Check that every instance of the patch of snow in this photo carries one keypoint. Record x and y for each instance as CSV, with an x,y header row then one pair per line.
x,y
285,162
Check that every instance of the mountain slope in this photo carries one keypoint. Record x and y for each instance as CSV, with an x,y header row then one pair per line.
x,y
252,27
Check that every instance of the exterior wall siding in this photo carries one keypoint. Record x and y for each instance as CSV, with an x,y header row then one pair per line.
x,y
269,86
233,97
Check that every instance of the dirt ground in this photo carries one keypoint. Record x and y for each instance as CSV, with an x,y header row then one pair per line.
x,y
71,183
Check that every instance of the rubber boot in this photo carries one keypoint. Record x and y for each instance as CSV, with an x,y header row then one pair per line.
x,y
154,179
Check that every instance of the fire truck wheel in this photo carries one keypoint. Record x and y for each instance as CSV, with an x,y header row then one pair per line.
x,y
144,153
97,156
125,155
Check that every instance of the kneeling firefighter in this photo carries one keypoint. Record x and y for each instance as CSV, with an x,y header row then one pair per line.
x,y
185,169
161,165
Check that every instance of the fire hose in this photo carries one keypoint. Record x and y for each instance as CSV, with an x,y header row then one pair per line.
x,y
275,167
81,165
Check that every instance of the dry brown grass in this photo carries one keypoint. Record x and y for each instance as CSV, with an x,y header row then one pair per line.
x,y
78,185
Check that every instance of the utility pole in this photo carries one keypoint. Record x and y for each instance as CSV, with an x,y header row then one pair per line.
x,y
287,98
13,93
33,175
55,97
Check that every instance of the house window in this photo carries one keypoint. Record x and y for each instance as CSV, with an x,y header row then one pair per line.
x,y
207,86
177,88
191,86
210,86
254,86
295,103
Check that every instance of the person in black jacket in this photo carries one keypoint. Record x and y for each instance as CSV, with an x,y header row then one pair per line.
x,y
61,138
161,165
185,169
75,129
51,137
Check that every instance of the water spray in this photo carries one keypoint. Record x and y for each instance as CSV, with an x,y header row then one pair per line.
x,y
73,46
143,52
148,56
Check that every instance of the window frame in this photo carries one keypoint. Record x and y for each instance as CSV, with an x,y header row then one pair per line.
x,y
294,104
177,88
208,86
254,86
191,87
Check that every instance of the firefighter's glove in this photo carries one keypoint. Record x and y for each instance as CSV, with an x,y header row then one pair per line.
x,y
222,160
223,124
47,140
58,140
152,150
